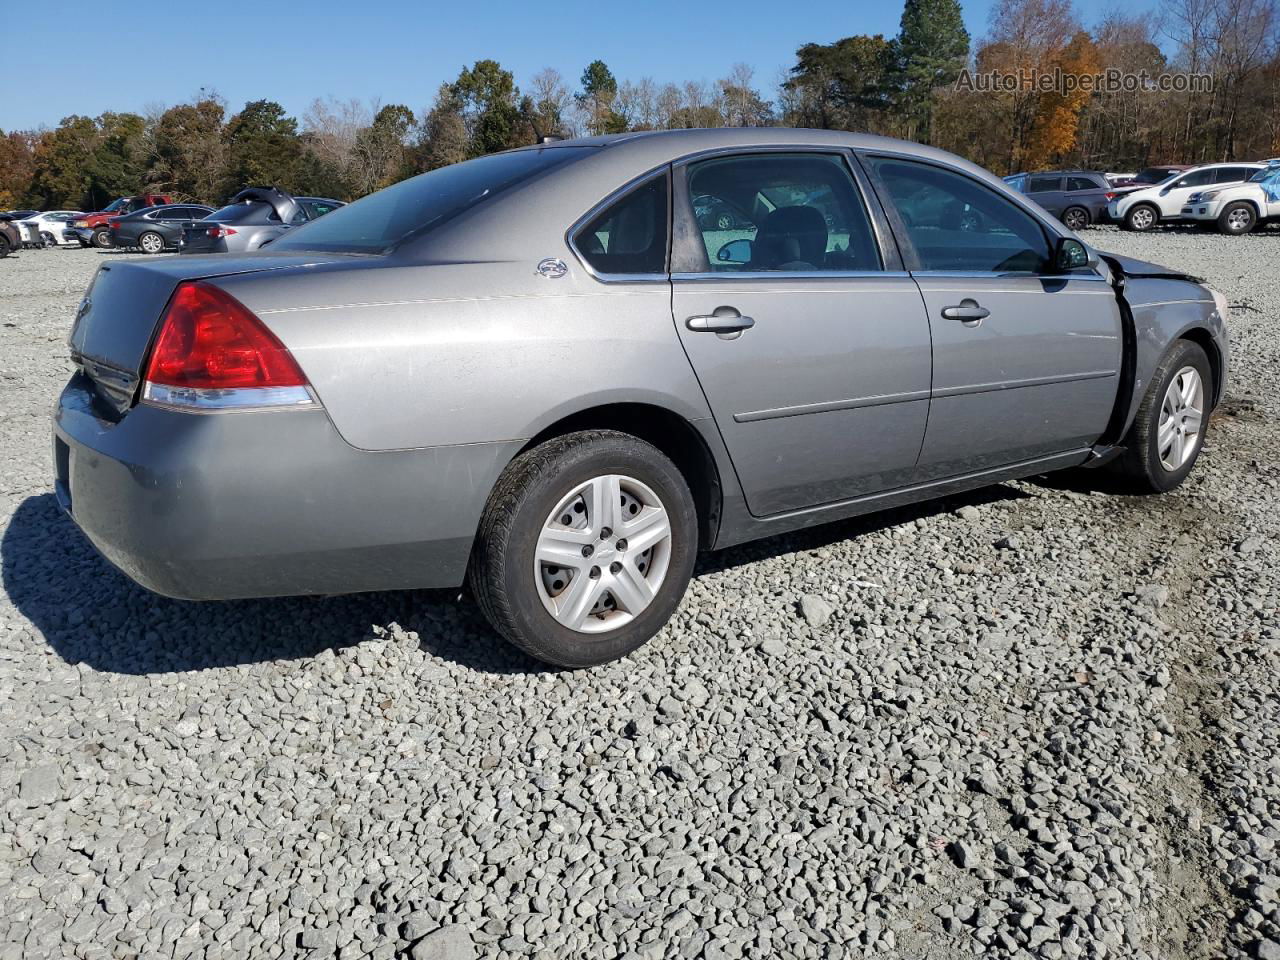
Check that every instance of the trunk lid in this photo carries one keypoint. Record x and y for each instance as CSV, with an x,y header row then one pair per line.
x,y
118,316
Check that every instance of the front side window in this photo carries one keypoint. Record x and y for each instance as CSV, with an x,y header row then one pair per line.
x,y
781,212
955,223
630,235
1045,184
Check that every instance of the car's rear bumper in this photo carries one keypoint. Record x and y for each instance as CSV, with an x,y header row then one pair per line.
x,y
230,505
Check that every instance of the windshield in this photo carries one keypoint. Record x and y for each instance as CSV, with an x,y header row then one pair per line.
x,y
116,205
410,208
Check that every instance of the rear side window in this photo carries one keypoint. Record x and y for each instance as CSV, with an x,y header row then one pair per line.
x,y
630,235
796,212
954,223
1082,183
1233,174
1044,184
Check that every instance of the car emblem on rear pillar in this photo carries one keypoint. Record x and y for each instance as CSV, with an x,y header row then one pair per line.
x,y
553,268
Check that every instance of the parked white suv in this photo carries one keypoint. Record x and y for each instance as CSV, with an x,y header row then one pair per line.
x,y
50,225
1144,209
1238,209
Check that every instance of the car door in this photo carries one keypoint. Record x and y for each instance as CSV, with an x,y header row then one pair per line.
x,y
1172,197
1025,361
809,340
1047,191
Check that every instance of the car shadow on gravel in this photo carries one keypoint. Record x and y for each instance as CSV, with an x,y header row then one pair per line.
x,y
91,613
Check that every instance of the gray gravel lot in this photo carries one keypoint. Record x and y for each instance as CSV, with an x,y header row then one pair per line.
x,y
1039,720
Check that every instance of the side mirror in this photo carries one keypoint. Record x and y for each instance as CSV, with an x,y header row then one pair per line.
x,y
1071,254
735,251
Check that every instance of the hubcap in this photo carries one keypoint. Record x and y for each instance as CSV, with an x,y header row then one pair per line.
x,y
1238,219
1142,218
150,244
1181,416
602,554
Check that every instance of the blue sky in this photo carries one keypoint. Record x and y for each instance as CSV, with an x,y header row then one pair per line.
x,y
135,54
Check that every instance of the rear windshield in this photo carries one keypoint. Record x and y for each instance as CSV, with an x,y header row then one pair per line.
x,y
410,208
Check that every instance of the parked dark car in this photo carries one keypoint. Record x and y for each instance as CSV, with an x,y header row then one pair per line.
x,y
1150,176
254,216
10,236
156,229
1076,197
20,214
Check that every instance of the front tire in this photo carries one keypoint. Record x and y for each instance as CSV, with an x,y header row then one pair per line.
x,y
102,239
586,547
4,247
1168,432
151,242
1142,217
48,240
1237,218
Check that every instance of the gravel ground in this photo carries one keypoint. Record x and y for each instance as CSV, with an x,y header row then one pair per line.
x,y
1038,720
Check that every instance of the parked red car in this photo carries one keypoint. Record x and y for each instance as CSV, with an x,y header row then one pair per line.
x,y
92,229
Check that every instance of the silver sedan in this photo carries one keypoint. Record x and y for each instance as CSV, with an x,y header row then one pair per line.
x,y
541,372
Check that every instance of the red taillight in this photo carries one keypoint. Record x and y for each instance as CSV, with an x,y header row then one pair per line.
x,y
209,340
217,232
113,224
1110,196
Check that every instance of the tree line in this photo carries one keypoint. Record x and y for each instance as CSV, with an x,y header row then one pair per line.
x,y
904,86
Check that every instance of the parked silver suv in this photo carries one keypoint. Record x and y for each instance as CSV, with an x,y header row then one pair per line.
x,y
542,372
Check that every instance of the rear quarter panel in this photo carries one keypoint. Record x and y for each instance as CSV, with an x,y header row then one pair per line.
x,y
411,355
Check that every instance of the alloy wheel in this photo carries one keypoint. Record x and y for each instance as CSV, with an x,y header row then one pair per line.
x,y
602,554
1142,218
1239,220
1181,418
1075,220
151,243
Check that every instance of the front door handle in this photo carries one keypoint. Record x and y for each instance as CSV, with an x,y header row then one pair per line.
x,y
725,321
967,311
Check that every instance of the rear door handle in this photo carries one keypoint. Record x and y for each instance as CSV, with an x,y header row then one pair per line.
x,y
725,321
967,311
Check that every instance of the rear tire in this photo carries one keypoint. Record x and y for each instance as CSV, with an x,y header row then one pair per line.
x,y
1075,218
1237,218
1149,464
151,242
4,247
102,239
558,497
1141,217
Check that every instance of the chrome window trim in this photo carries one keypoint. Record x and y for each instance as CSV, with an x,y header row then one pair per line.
x,y
793,275
634,184
1091,276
